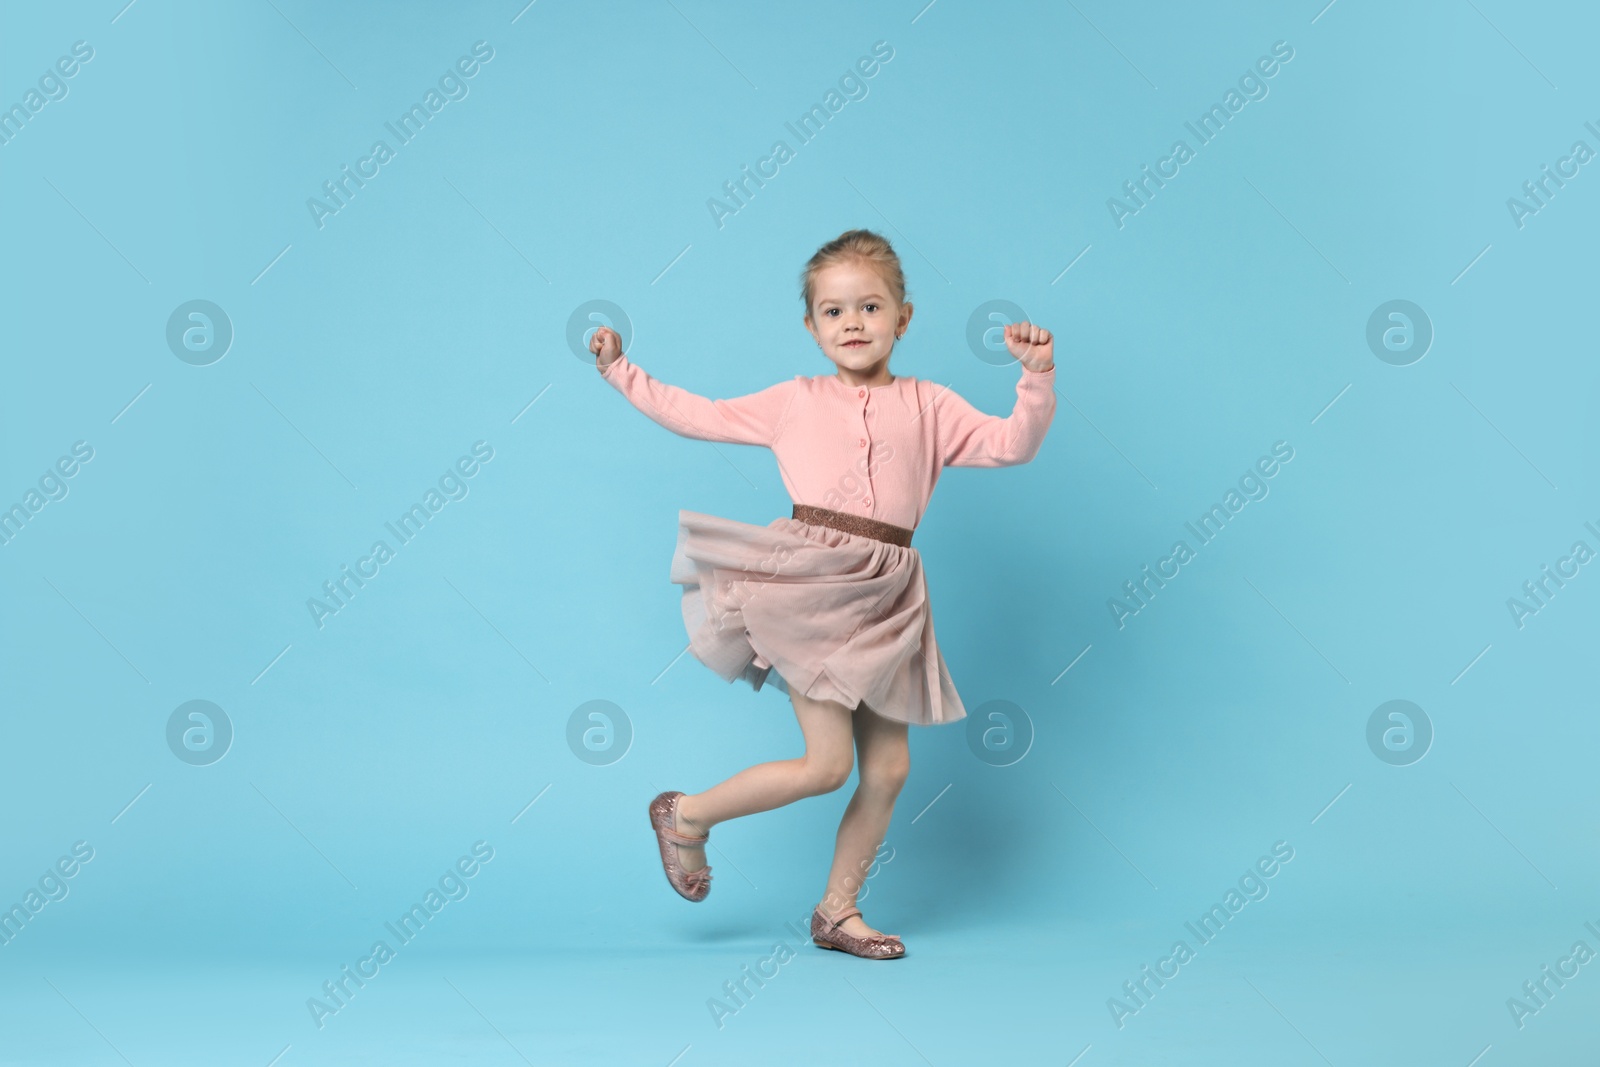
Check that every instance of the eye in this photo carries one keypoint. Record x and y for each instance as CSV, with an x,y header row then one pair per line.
x,y
870,307
831,311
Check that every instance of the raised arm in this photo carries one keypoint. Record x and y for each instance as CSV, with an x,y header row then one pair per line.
x,y
969,438
753,419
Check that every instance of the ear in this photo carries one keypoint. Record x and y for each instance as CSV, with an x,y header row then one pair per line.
x,y
812,330
905,317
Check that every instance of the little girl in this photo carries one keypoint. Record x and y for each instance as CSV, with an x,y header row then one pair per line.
x,y
830,605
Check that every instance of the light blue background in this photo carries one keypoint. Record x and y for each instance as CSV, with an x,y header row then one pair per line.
x,y
428,714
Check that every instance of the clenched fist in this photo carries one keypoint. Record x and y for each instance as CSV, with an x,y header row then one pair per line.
x,y
607,346
1031,345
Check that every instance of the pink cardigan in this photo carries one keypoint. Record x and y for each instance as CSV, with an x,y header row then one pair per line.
x,y
868,451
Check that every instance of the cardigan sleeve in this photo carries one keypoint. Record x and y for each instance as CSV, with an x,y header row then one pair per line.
x,y
969,438
753,419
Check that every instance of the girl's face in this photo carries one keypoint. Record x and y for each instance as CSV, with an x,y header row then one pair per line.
x,y
854,316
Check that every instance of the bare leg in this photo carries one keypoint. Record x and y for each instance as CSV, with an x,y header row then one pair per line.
x,y
884,760
826,725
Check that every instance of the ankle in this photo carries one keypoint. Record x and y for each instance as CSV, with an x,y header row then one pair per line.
x,y
688,821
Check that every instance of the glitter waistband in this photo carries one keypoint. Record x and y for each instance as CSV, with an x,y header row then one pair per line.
x,y
854,524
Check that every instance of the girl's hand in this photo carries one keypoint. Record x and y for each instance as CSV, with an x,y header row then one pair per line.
x,y
606,346
1031,345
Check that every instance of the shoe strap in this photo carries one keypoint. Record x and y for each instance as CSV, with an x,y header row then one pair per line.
x,y
842,916
678,838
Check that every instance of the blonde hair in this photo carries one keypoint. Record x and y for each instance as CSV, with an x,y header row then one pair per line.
x,y
855,246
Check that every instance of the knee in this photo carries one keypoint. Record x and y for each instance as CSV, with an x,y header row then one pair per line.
x,y
824,775
888,771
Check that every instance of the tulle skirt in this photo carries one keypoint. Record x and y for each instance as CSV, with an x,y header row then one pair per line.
x,y
807,608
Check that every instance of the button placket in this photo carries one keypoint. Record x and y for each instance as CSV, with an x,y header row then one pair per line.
x,y
862,442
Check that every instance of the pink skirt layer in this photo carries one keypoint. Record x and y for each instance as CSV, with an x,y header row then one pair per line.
x,y
804,607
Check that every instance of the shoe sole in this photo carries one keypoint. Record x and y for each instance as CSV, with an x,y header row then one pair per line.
x,y
847,952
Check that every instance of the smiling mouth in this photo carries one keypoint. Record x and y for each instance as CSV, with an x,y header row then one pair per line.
x,y
854,344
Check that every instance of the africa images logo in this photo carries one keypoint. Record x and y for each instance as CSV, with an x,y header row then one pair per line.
x,y
853,86
1253,485
1206,128
453,485
452,85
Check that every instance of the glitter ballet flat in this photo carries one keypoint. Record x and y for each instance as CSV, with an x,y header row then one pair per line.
x,y
825,933
691,885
